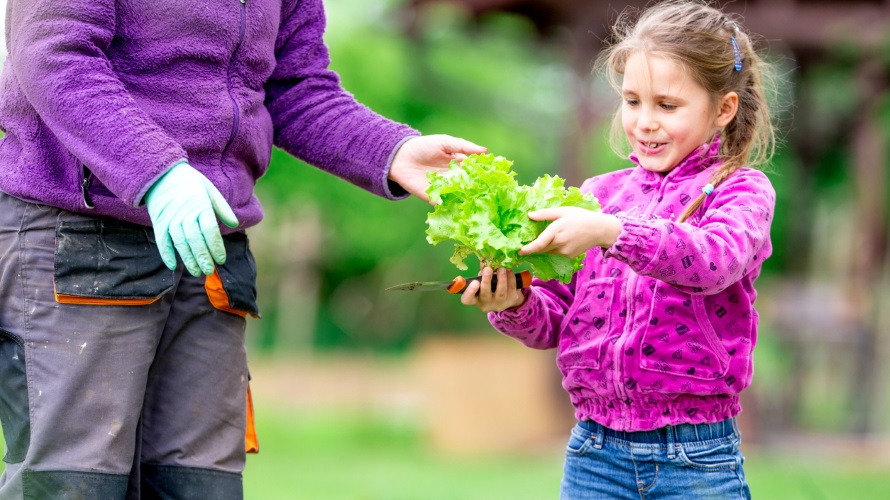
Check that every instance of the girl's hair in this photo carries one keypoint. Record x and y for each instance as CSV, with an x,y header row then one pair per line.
x,y
708,43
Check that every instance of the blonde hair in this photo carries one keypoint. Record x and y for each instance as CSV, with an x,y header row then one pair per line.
x,y
699,37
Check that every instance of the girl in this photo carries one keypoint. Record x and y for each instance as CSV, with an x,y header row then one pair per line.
x,y
655,333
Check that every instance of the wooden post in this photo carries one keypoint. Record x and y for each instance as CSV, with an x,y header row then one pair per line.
x,y
869,148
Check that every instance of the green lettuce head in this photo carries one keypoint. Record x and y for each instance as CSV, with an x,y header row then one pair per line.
x,y
484,210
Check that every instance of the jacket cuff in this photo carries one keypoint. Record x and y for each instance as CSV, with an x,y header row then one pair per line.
x,y
140,195
393,190
637,244
516,318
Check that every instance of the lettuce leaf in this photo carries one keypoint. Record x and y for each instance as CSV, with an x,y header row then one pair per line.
x,y
481,207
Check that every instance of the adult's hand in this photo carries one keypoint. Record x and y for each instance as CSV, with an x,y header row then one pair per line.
x,y
573,232
183,206
419,155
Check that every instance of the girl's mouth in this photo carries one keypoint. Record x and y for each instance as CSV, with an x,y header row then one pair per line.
x,y
651,148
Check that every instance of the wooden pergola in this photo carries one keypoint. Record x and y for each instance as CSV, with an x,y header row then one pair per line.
x,y
811,33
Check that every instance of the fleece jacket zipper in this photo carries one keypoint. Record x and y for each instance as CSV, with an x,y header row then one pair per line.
x,y
236,110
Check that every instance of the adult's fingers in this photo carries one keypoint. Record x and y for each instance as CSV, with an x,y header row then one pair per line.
x,y
181,242
213,242
220,207
165,248
456,145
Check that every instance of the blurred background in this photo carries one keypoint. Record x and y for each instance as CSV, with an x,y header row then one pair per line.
x,y
362,393
425,384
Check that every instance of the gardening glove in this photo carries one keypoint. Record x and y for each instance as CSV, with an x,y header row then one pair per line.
x,y
183,206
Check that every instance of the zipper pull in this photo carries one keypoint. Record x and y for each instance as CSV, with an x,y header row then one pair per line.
x,y
85,188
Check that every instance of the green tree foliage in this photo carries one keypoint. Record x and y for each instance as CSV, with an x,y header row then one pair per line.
x,y
495,87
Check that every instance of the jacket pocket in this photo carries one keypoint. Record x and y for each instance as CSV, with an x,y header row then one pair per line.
x,y
680,350
232,286
586,324
108,262
14,406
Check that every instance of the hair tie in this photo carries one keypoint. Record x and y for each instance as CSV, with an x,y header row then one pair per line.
x,y
708,189
737,53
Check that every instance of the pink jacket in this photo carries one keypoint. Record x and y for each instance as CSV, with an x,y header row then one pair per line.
x,y
659,329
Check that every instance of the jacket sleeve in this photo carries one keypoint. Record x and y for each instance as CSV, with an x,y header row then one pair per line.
x,y
57,52
708,258
318,121
537,322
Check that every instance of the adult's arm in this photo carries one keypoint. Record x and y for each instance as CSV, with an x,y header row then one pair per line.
x,y
318,121
57,51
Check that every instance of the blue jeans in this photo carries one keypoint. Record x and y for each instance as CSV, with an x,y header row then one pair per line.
x,y
683,462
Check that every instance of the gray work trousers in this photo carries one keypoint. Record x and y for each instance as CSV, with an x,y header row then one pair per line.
x,y
105,401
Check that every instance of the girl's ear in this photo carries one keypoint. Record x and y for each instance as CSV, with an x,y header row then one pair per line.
x,y
727,108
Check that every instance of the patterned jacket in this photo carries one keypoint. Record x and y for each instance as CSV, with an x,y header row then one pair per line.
x,y
660,328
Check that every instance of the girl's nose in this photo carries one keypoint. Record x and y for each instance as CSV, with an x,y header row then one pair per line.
x,y
647,120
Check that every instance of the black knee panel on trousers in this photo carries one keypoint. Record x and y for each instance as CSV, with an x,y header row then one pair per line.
x,y
163,482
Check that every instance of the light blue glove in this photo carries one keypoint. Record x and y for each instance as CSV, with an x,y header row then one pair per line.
x,y
183,206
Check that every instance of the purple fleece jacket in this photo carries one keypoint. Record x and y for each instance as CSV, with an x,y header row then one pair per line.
x,y
118,91
660,328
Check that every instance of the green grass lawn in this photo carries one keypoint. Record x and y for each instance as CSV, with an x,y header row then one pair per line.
x,y
317,456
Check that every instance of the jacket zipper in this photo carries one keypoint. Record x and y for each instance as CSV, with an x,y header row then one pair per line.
x,y
631,312
236,111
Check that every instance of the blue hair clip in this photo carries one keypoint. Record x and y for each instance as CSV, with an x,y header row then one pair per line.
x,y
737,53
708,189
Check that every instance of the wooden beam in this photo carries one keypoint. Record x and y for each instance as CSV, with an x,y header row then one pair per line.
x,y
865,26
806,25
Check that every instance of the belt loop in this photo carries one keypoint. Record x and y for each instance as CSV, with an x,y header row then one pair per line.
x,y
600,435
669,435
735,428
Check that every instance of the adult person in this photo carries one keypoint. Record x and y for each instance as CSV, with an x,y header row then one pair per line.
x,y
132,130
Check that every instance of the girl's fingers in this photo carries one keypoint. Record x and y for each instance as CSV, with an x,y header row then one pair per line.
x,y
469,298
480,294
540,245
547,213
485,286
504,284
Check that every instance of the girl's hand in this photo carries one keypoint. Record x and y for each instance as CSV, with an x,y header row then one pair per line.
x,y
505,296
573,232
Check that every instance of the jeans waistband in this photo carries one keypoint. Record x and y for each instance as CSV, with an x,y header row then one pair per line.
x,y
668,435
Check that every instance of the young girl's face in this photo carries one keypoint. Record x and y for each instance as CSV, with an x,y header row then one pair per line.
x,y
666,114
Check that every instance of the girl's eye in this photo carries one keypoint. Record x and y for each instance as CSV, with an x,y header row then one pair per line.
x,y
631,102
668,107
